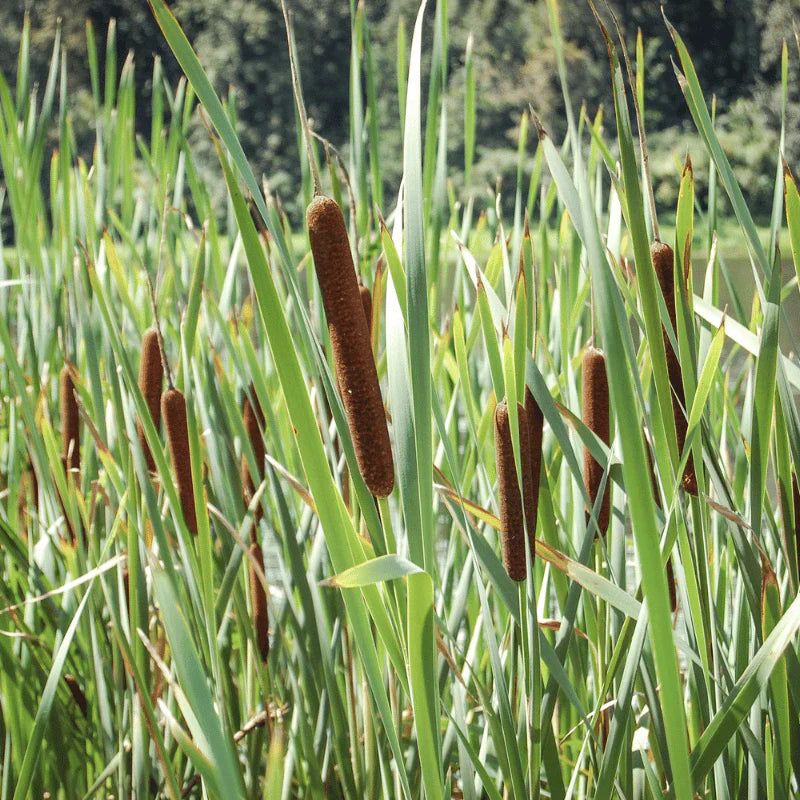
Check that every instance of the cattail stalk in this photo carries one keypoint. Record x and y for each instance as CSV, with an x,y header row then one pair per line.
x,y
253,422
354,364
663,258
151,376
511,508
173,409
673,593
258,598
596,418
70,423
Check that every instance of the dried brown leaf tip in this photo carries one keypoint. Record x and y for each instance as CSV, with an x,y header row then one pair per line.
x,y
512,522
253,422
70,423
596,418
258,598
173,409
151,376
663,263
356,373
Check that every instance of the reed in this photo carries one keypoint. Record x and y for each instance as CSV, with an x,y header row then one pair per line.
x,y
173,409
151,376
596,418
663,263
512,516
258,598
353,360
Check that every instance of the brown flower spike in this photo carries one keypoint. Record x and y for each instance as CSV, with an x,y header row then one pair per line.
x,y
151,376
173,408
356,373
596,418
663,258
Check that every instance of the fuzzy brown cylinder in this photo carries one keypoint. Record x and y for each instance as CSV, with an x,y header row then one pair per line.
x,y
511,508
78,696
356,373
70,424
173,409
151,376
258,598
253,422
663,259
535,436
366,302
596,418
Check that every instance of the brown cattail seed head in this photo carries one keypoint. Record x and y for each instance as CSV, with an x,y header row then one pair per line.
x,y
77,694
596,418
253,423
663,259
151,375
511,510
535,436
356,373
366,302
673,592
173,408
70,422
258,598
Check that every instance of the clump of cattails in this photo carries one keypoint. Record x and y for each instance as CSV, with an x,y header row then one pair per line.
x,y
512,521
356,373
663,260
596,418
70,423
258,598
253,422
151,375
173,409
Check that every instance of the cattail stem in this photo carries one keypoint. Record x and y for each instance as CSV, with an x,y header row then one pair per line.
x,y
663,262
353,360
151,376
173,409
253,422
596,418
258,597
512,520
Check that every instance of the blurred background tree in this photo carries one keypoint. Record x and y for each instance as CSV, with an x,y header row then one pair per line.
x,y
735,44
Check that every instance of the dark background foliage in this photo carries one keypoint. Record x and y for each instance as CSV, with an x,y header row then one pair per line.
x,y
735,45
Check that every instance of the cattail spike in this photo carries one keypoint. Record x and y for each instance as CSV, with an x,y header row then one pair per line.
x,y
663,260
596,418
253,422
70,423
173,409
511,507
151,376
535,436
356,373
366,302
258,599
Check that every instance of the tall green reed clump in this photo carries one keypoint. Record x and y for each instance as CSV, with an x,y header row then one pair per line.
x,y
394,654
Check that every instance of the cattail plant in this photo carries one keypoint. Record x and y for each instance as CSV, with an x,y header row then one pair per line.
x,y
366,302
258,598
173,409
78,695
663,261
596,418
70,423
535,436
151,376
253,422
511,507
356,373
